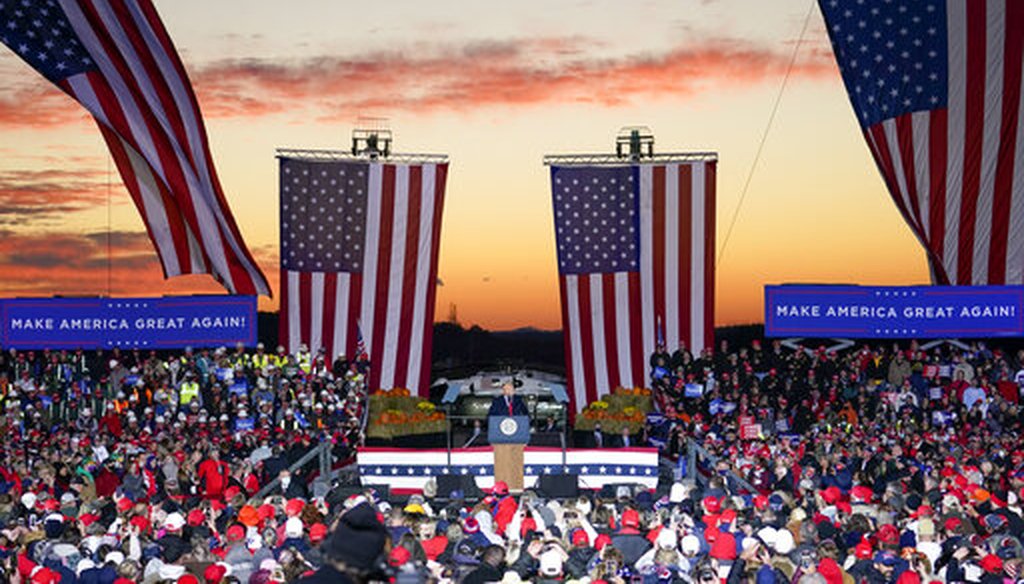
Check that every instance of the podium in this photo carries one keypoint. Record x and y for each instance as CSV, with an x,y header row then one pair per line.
x,y
509,435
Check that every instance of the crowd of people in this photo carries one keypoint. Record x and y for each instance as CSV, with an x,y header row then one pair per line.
x,y
876,464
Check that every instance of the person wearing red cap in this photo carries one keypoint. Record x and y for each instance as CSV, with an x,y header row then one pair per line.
x,y
215,573
237,555
628,538
504,508
580,554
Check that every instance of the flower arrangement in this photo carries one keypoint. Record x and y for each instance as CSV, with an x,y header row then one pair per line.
x,y
624,407
632,391
396,413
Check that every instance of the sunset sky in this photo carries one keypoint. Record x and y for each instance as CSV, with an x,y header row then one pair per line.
x,y
495,85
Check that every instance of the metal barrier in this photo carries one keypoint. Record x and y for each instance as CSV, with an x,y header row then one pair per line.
x,y
322,452
695,453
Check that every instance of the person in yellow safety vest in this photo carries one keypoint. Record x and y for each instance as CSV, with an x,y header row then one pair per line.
x,y
281,358
260,360
189,390
305,359
239,358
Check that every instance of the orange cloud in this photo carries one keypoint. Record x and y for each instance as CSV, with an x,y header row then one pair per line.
x,y
426,77
38,105
486,74
49,194
49,263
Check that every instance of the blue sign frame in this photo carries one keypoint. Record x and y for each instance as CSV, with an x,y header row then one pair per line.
x,y
158,323
894,312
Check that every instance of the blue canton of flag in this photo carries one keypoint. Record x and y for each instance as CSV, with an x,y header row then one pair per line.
x,y
43,37
596,219
323,215
891,64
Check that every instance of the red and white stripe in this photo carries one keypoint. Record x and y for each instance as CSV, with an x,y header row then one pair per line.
x,y
392,299
957,174
609,320
149,116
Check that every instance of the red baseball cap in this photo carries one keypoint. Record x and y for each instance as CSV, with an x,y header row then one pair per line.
x,y
888,534
214,573
294,507
630,519
317,532
712,504
196,517
236,533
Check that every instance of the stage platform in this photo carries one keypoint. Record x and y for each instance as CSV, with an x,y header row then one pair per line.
x,y
406,470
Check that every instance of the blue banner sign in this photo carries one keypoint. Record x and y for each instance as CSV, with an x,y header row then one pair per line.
x,y
894,312
169,322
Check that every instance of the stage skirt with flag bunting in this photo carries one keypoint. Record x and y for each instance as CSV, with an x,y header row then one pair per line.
x,y
636,262
116,59
407,470
936,86
359,250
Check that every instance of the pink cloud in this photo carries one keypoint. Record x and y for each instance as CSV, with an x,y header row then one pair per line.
x,y
430,78
44,264
53,193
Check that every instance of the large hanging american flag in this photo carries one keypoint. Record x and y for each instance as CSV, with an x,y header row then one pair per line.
x,y
115,58
636,261
359,247
936,86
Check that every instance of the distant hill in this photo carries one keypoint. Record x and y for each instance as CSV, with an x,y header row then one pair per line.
x,y
458,349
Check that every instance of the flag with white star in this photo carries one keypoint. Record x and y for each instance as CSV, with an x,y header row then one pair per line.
x,y
936,86
407,470
116,59
635,250
359,248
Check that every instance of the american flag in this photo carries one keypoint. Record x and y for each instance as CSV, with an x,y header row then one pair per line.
x,y
115,58
936,86
407,470
359,247
635,249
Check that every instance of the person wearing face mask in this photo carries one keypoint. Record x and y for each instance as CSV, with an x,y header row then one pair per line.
x,y
291,488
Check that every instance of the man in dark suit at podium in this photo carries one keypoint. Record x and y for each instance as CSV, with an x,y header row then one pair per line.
x,y
508,403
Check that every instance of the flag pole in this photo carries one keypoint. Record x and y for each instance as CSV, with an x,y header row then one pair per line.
x,y
109,258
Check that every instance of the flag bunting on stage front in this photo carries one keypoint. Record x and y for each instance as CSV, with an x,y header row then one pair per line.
x,y
359,250
406,469
636,265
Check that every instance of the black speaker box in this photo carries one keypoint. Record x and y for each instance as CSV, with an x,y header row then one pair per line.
x,y
466,483
610,491
339,494
559,486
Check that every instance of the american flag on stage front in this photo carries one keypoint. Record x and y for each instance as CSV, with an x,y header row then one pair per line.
x,y
936,86
635,254
117,60
359,247
407,470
